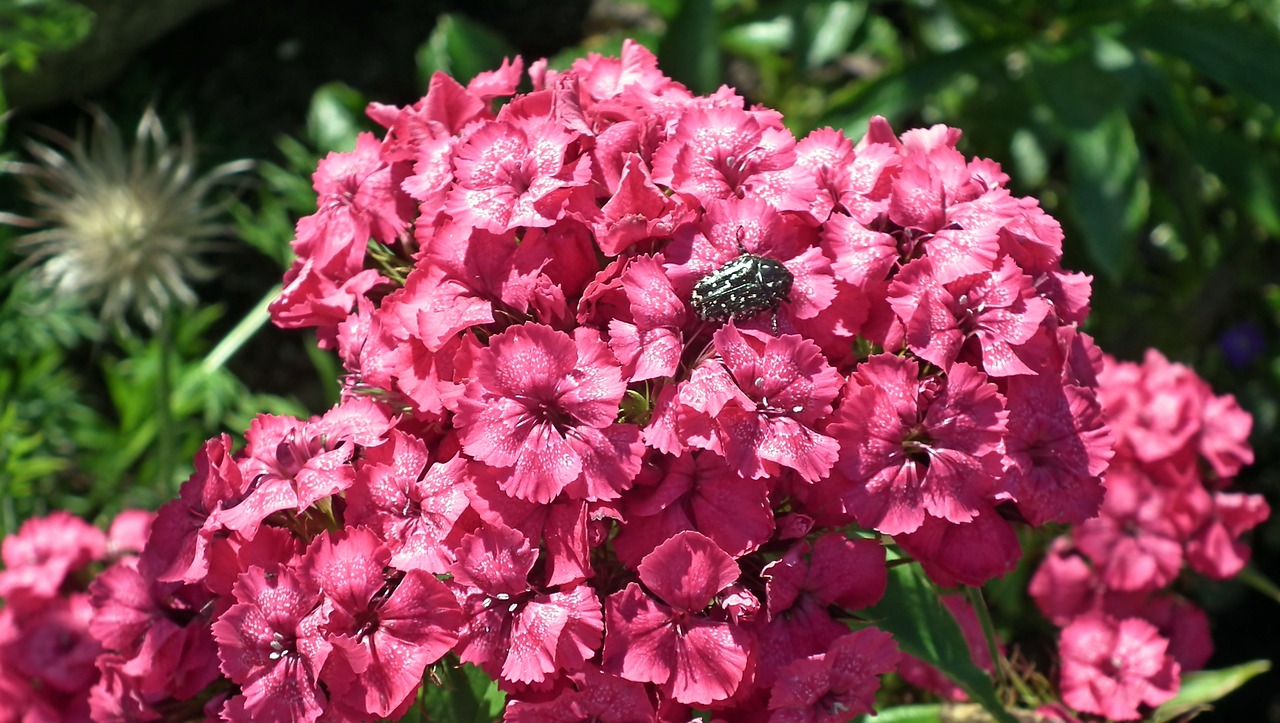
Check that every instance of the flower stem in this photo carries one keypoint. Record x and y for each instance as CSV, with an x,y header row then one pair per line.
x,y
1004,671
164,401
241,333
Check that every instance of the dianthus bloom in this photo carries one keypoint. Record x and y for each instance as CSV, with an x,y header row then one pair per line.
x,y
1109,582
551,462
1112,667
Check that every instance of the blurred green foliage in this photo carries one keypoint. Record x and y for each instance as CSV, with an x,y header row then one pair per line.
x,y
30,28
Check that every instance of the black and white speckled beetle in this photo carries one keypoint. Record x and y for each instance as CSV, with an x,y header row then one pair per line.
x,y
742,288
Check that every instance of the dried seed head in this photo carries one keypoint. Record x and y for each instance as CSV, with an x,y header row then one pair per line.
x,y
119,226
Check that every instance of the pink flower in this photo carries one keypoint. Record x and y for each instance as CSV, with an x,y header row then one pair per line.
x,y
45,551
672,641
592,695
1133,542
837,685
515,172
1059,446
1113,667
1216,549
543,404
760,404
410,501
270,644
51,648
129,532
1064,586
512,631
1155,409
385,626
1224,440
292,464
914,448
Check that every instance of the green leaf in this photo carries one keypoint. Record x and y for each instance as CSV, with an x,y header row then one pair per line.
x,y
924,713
833,26
1107,190
335,117
461,47
690,52
1201,688
1240,55
1254,578
464,695
1250,175
760,37
911,611
1080,93
896,94
30,28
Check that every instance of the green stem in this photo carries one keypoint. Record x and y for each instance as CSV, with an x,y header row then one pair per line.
x,y
1254,578
164,403
1004,672
257,318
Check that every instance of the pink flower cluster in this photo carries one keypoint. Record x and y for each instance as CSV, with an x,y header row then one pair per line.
x,y
1126,635
550,461
50,628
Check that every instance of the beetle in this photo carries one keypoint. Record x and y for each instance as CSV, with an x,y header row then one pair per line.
x,y
741,288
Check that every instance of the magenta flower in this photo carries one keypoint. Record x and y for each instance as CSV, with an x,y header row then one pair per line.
x,y
512,631
803,586
357,199
1059,446
969,553
592,696
837,685
998,309
514,172
915,448
159,630
648,345
727,152
385,626
270,644
1114,667
292,464
566,528
759,405
178,549
696,491
544,404
46,549
673,640
732,226
409,501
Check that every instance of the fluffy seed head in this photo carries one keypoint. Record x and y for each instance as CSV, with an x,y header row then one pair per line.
x,y
119,226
